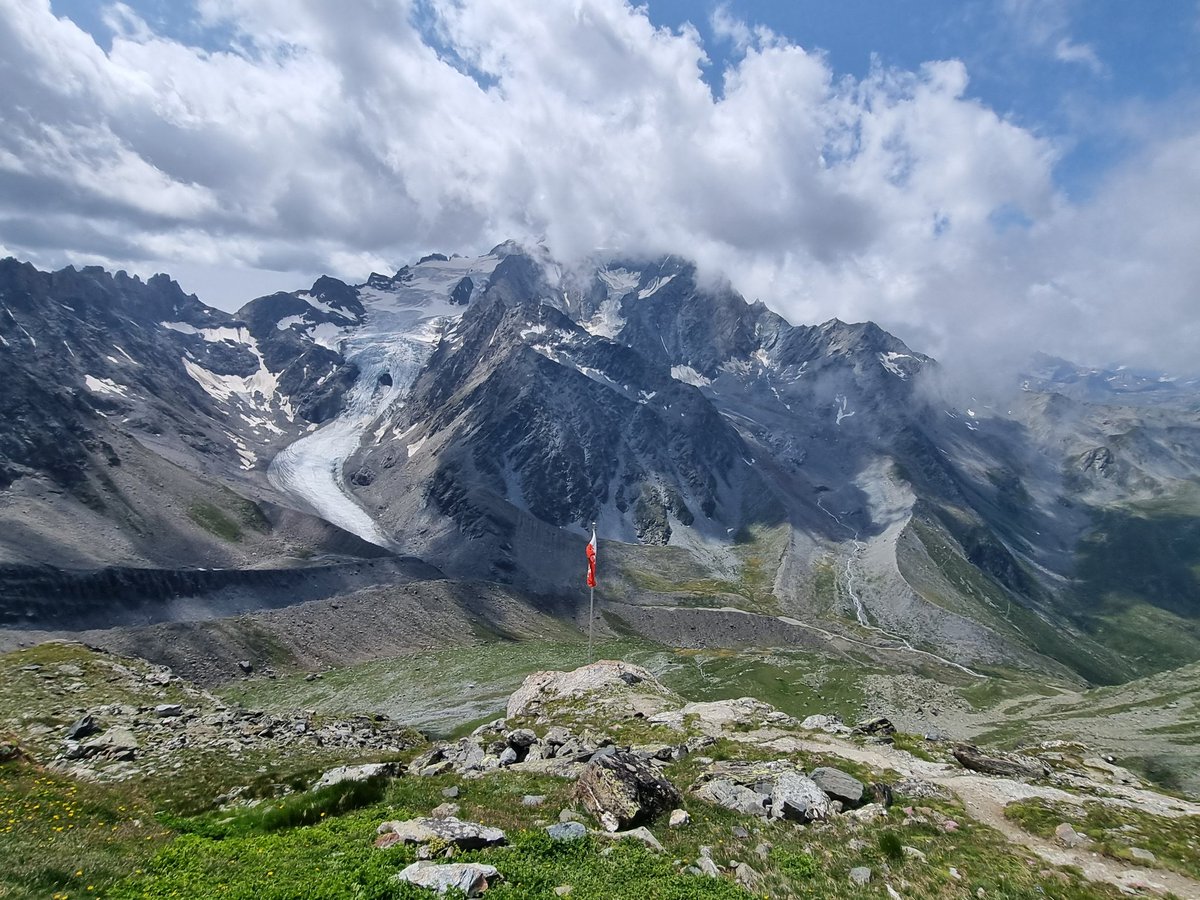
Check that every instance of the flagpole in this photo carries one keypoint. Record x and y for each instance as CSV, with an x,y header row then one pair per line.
x,y
591,605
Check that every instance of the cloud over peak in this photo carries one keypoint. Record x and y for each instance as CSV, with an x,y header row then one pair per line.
x,y
294,135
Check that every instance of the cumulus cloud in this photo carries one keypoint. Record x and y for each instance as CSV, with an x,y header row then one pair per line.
x,y
315,138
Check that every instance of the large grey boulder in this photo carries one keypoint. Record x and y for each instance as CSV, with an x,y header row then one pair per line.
x,y
622,790
464,835
470,878
839,785
797,797
737,797
1009,765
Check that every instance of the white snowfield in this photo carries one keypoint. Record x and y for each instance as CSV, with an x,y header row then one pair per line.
x,y
401,329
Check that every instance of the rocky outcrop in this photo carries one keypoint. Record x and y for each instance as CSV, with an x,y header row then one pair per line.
x,y
622,790
1009,765
635,686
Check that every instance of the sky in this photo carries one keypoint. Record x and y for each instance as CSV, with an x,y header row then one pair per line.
x,y
982,177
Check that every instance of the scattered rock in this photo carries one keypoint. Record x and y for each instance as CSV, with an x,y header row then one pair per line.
x,y
1010,765
869,813
450,793
707,867
168,710
83,727
445,811
464,835
532,800
641,833
1143,856
916,789
622,790
568,815
470,878
508,756
877,727
562,890
679,818
1069,837
746,877
739,832
860,875
839,785
357,773
246,666
115,743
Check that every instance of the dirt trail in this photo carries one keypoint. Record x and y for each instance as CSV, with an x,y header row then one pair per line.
x,y
984,798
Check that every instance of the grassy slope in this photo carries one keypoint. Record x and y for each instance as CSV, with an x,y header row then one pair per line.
x,y
1138,587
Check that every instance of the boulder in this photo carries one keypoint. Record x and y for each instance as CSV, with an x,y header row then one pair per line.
x,y
797,797
118,743
622,791
464,835
1069,837
567,831
642,834
356,773
679,818
736,797
839,785
828,724
860,875
1010,765
84,727
521,739
470,878
168,710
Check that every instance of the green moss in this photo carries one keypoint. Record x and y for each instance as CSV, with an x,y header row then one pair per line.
x,y
214,521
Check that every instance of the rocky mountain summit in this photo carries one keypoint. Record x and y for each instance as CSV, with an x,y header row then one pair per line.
x,y
480,413
597,782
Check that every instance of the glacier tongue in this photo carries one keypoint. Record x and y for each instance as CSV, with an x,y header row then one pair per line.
x,y
402,327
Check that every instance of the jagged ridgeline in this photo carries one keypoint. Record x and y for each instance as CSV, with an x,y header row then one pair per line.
x,y
754,482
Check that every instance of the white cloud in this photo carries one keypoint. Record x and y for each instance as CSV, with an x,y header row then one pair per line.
x,y
346,138
1045,25
1066,50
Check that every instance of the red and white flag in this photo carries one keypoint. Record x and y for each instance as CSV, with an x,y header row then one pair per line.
x,y
591,557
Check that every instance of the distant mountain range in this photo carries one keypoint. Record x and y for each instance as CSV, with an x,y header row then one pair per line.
x,y
474,416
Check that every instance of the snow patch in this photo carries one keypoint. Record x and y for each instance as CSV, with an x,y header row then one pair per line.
x,y
608,321
888,361
841,411
104,386
688,375
655,286
618,281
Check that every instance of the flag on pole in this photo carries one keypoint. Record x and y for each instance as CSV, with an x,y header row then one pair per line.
x,y
591,560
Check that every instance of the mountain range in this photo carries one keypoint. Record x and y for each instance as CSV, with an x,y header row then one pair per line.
x,y
469,418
